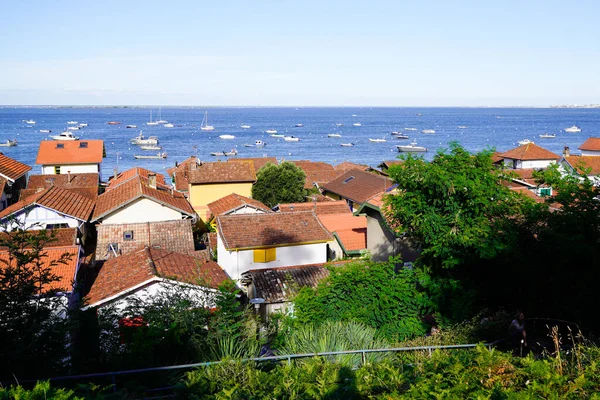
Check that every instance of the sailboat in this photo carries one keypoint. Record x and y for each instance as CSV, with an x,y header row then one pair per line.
x,y
160,120
205,126
151,123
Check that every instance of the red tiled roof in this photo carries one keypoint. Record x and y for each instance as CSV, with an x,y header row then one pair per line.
x,y
591,144
524,173
350,229
135,188
346,166
233,202
307,165
320,177
358,186
133,172
241,231
51,256
181,173
529,152
12,169
84,184
258,162
222,172
579,163
389,163
62,237
71,152
119,275
320,207
61,200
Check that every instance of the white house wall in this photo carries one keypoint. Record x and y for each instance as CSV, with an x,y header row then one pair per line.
x,y
590,153
75,169
537,164
38,217
142,210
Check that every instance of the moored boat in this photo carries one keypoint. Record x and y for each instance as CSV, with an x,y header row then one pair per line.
x,y
411,148
29,122
573,129
204,126
140,139
9,143
377,140
153,157
298,125
67,135
259,143
428,131
271,131
227,137
45,130
150,147
525,141
72,122
547,135
245,126
130,126
334,135
291,139
401,136
410,129
357,124
113,123
168,125
347,144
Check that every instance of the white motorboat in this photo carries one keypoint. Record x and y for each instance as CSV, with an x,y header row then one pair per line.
x,y
462,127
277,135
168,125
204,126
67,135
298,125
140,139
83,125
233,152
334,135
357,124
30,122
73,128
72,122
525,141
427,131
130,126
259,143
347,144
45,130
9,143
411,148
547,136
150,147
339,124
245,126
401,136
410,129
291,139
151,157
227,137
271,131
377,140
151,123
573,129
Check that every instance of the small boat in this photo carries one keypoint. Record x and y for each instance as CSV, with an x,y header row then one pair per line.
x,y
427,131
130,126
525,141
72,122
339,124
573,129
291,139
227,137
9,143
277,135
114,123
67,135
377,140
152,157
160,120
248,145
347,144
419,115
410,129
140,139
30,122
83,125
357,124
259,143
298,125
401,136
334,135
547,136
151,123
150,147
45,130
462,127
394,133
168,125
411,148
204,126
73,128
271,131
245,126
233,152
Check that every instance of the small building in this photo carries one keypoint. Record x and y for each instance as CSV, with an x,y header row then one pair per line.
x,y
350,233
210,182
77,156
356,187
271,240
13,178
83,184
121,177
529,156
149,272
577,165
591,147
235,204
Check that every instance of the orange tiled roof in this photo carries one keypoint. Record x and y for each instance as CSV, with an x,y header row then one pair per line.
x,y
133,189
181,173
120,274
350,229
233,202
71,152
307,165
62,237
346,166
389,163
529,152
258,162
84,184
319,207
222,172
591,144
133,172
64,271
358,186
320,177
270,229
579,163
12,169
61,200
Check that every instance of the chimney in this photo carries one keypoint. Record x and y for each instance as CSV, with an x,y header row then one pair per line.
x,y
152,180
68,176
566,152
116,174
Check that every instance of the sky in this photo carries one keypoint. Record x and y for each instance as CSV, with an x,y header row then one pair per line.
x,y
299,53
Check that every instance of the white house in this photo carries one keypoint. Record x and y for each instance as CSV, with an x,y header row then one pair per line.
x,y
529,156
150,272
76,157
271,240
591,147
577,165
235,204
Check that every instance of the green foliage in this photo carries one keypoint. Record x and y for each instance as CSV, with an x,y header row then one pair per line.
x,y
283,183
41,391
229,319
379,295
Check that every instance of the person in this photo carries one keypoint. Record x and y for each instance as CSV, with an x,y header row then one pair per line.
x,y
518,334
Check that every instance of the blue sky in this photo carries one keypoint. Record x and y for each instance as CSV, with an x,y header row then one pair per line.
x,y
300,53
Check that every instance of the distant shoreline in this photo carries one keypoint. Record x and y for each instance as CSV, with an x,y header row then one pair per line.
x,y
568,106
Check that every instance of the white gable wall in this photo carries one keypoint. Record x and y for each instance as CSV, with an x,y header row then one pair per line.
x,y
38,217
519,164
246,210
590,152
142,210
74,168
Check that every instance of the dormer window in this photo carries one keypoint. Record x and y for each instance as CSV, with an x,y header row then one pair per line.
x,y
60,145
347,180
83,145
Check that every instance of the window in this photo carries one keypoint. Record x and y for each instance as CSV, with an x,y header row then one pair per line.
x,y
60,145
545,191
57,170
83,145
57,226
128,235
347,180
265,255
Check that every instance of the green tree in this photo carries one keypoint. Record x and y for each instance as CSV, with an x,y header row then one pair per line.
x,y
283,183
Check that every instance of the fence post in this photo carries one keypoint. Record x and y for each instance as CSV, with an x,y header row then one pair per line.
x,y
429,349
364,358
289,360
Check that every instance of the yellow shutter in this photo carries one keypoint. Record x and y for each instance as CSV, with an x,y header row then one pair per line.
x,y
270,254
259,256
